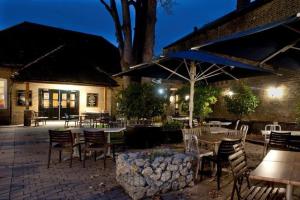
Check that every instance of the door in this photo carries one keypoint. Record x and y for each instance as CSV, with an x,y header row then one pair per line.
x,y
55,103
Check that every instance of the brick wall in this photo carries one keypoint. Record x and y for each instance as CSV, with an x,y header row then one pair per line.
x,y
272,10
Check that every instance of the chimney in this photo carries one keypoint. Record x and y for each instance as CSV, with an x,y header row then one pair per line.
x,y
241,4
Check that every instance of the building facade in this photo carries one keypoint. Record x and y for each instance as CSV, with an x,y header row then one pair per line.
x,y
252,14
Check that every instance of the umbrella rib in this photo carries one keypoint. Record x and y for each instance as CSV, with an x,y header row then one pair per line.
x,y
175,70
204,75
172,71
205,71
186,66
227,73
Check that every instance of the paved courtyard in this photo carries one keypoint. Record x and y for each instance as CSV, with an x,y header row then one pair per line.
x,y
24,173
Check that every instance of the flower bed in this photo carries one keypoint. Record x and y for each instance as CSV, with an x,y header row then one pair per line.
x,y
146,173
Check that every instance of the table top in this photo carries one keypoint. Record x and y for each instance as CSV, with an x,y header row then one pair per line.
x,y
280,167
214,139
217,130
106,130
221,123
264,132
181,118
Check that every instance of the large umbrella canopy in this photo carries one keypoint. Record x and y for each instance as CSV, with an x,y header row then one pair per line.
x,y
276,44
193,66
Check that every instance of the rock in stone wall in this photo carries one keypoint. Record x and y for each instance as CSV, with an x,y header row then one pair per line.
x,y
142,175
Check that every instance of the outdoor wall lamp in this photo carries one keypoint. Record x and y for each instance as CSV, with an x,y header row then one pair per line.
x,y
275,92
187,97
161,91
172,99
228,92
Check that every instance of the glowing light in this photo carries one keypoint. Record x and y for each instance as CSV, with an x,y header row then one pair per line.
x,y
161,91
187,97
275,92
172,99
228,92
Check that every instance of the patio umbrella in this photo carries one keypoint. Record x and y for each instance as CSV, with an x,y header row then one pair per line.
x,y
193,66
275,44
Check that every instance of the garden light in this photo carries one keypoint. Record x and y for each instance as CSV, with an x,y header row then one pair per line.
x,y
275,92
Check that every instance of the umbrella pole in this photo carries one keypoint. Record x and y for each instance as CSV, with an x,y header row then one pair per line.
x,y
192,85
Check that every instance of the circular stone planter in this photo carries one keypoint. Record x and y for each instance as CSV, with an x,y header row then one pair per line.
x,y
146,173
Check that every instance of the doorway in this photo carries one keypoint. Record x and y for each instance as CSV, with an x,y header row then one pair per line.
x,y
55,103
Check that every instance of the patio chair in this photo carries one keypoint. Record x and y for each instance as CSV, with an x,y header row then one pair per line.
x,y
240,172
221,159
278,140
117,140
243,132
199,154
195,123
237,124
95,141
62,140
270,127
294,143
69,119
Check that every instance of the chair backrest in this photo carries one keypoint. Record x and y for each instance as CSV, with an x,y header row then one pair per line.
x,y
67,117
243,132
60,136
226,148
294,142
238,160
273,127
279,139
194,145
237,124
95,137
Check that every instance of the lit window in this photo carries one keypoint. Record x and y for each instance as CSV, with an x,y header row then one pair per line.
x,y
3,93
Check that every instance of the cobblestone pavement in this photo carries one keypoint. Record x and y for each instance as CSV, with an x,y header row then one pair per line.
x,y
24,173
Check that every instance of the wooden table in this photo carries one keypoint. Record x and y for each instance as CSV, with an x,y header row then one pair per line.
x,y
221,123
279,167
220,130
214,140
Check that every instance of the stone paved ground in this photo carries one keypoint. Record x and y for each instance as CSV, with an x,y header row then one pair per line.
x,y
24,174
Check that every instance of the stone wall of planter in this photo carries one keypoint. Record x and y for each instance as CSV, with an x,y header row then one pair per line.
x,y
144,174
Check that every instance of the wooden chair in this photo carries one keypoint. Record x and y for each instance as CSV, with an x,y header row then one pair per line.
x,y
116,140
187,133
294,143
95,141
240,172
278,140
242,133
199,153
221,159
62,140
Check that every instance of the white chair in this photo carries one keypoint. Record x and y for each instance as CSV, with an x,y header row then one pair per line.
x,y
237,124
243,132
198,153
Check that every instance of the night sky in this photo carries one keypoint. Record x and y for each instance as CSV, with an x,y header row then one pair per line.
x,y
89,16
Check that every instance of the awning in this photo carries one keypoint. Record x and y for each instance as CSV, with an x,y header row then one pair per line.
x,y
276,44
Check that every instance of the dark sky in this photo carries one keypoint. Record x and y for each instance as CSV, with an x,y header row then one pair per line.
x,y
89,16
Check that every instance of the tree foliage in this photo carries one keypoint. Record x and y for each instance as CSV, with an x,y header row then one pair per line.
x,y
140,101
204,98
242,102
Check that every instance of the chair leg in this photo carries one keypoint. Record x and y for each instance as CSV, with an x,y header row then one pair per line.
x,y
114,152
104,160
197,168
71,158
83,163
59,155
219,171
49,156
202,168
95,156
79,149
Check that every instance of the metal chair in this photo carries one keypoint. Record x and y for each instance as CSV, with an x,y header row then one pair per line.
x,y
270,127
62,140
240,172
278,140
69,119
237,125
294,143
116,140
199,154
221,159
95,141
243,132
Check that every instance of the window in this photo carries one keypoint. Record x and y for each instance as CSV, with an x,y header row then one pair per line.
x,y
92,100
21,98
3,93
